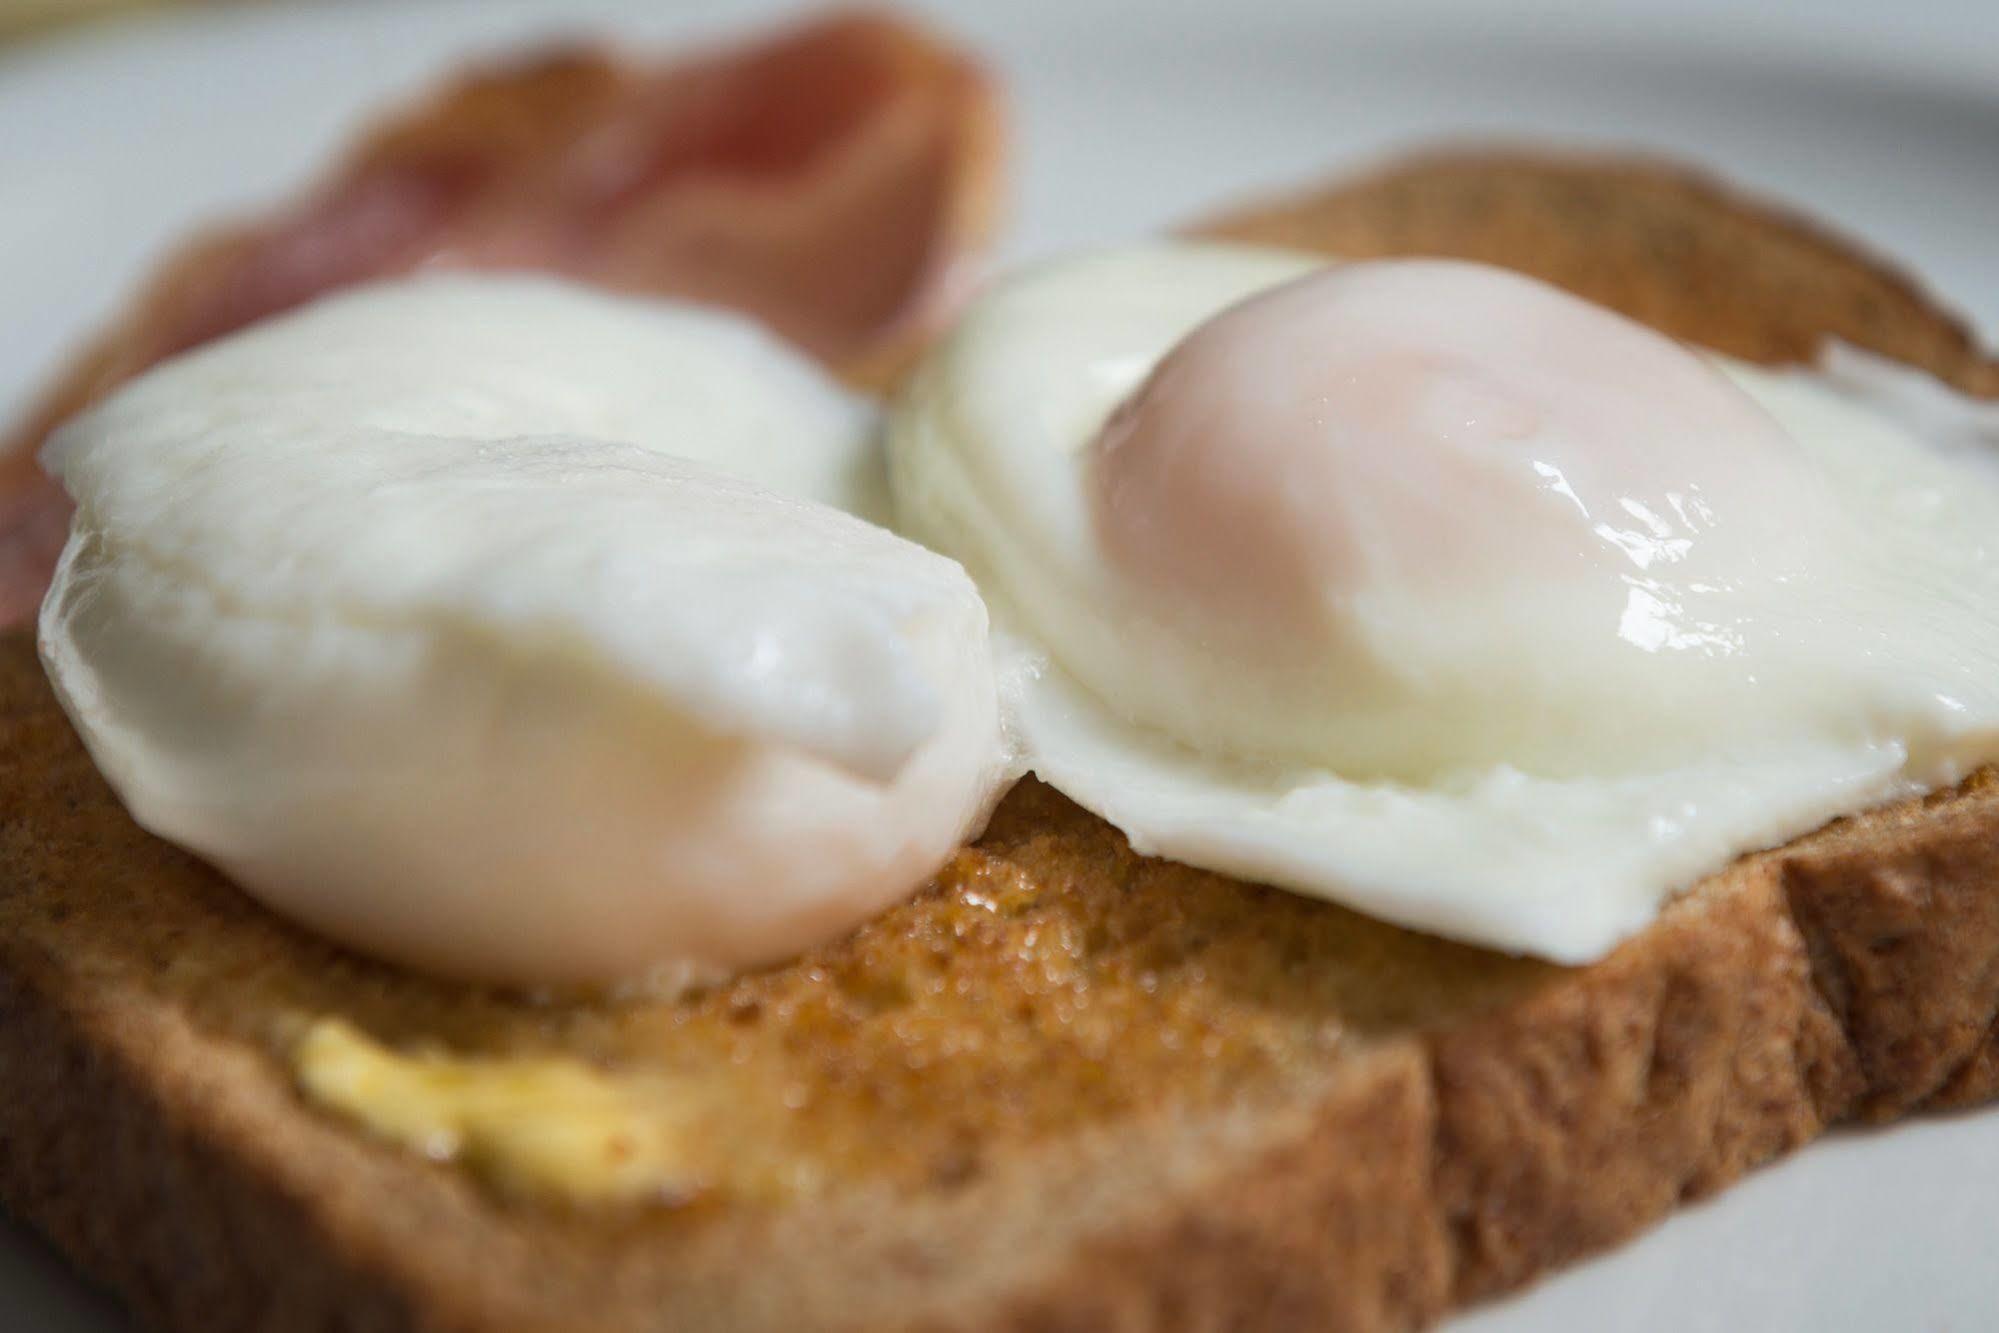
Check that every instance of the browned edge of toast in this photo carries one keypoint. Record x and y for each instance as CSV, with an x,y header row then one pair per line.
x,y
1853,975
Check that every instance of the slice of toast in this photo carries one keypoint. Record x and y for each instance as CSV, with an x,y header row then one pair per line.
x,y
1065,1087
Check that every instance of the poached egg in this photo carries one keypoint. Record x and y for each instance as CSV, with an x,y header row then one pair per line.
x,y
521,633
1431,589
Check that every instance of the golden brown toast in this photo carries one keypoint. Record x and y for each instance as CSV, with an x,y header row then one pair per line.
x,y
1065,1087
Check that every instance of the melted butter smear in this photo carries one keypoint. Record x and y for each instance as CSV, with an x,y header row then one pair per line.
x,y
538,1126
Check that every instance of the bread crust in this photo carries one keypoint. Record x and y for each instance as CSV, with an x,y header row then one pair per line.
x,y
1428,1126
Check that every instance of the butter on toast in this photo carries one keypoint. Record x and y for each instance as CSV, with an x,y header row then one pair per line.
x,y
1065,1087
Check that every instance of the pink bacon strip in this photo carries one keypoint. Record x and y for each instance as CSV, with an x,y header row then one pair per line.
x,y
829,181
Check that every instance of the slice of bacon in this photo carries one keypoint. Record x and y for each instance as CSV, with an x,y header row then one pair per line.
x,y
829,180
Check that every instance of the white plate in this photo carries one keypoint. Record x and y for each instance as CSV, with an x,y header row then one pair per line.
x,y
1883,118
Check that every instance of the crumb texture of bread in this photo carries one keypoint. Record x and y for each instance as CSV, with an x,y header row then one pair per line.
x,y
1065,1087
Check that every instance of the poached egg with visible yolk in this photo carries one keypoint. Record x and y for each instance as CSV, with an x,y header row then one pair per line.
x,y
1431,589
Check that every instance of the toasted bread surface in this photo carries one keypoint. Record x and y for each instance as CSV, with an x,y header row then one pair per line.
x,y
1064,1087
1668,246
